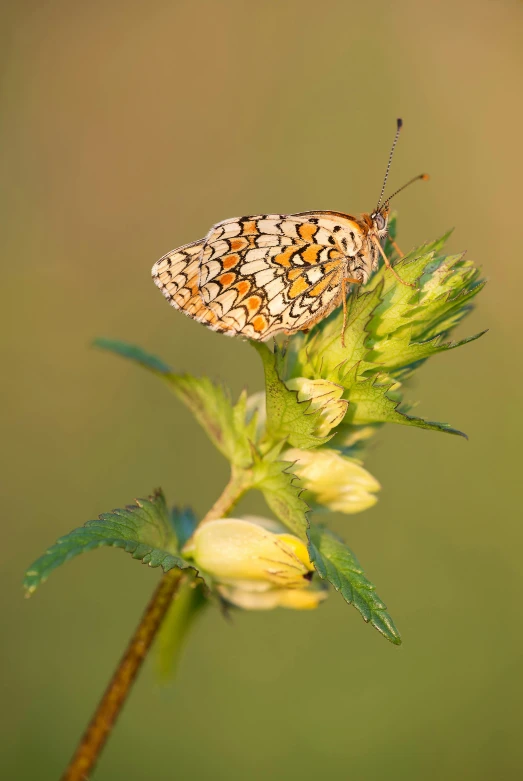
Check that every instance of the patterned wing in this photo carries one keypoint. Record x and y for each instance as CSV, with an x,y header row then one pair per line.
x,y
177,274
257,276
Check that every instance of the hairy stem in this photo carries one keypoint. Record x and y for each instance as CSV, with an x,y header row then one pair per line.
x,y
107,712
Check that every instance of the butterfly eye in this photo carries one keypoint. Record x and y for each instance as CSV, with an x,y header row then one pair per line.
x,y
379,220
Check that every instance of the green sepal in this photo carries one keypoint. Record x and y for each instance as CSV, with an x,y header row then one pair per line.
x,y
143,529
335,562
225,424
287,418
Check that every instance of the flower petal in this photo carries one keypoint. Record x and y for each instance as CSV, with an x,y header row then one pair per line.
x,y
333,480
232,548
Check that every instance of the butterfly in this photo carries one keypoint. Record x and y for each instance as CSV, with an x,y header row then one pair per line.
x,y
257,276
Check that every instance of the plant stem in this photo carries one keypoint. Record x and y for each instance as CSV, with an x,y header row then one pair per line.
x,y
105,716
239,482
116,693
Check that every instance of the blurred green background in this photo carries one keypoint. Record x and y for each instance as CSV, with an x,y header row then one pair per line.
x,y
128,129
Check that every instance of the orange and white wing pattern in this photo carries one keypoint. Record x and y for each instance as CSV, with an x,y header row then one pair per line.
x,y
177,275
257,276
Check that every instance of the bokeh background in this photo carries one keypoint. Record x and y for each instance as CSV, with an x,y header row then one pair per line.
x,y
128,129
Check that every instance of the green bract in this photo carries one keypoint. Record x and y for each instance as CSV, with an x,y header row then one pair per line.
x,y
321,397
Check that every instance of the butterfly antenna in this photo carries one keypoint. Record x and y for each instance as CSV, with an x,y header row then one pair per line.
x,y
423,177
399,124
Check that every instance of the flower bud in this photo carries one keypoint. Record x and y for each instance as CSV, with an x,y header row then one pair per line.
x,y
232,548
334,481
324,396
253,567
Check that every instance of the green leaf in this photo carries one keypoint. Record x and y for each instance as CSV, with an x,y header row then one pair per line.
x,y
444,288
143,530
370,403
323,355
282,493
172,637
400,352
226,424
336,563
447,289
133,353
407,326
398,300
287,418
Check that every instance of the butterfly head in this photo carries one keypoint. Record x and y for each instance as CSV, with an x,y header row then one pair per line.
x,y
380,221
375,225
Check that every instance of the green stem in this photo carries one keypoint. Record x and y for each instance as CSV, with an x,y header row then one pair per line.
x,y
86,755
239,482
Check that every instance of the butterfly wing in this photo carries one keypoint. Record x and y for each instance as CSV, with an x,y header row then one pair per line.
x,y
257,276
177,274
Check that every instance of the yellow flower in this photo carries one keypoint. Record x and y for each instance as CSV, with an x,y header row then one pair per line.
x,y
333,480
254,567
250,599
324,396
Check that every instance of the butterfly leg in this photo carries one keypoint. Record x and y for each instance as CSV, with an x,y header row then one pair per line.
x,y
344,282
390,267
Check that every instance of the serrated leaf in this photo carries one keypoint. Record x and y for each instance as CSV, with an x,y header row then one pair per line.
x,y
336,563
287,418
401,352
408,332
324,353
447,274
143,530
370,403
443,307
398,300
224,423
445,286
282,492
